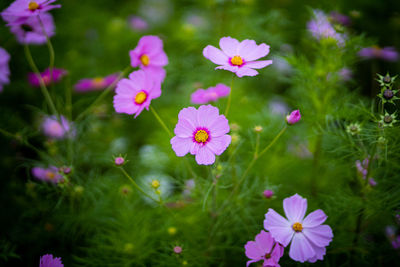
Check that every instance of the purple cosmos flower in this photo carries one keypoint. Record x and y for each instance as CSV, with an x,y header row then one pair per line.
x,y
293,117
308,236
53,129
264,248
202,96
31,32
268,193
4,68
340,18
345,74
202,132
99,83
150,56
49,174
321,28
385,53
48,261
177,250
138,24
135,94
238,57
58,74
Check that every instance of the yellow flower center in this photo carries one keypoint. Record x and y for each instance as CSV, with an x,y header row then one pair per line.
x,y
297,227
201,136
155,184
237,61
98,82
50,175
32,6
145,60
140,98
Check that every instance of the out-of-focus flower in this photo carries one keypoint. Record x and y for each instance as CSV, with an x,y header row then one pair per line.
x,y
95,84
375,52
394,239
354,128
340,18
264,248
258,128
177,250
308,236
135,94
189,186
345,74
293,117
321,28
278,107
4,68
119,161
202,132
268,193
58,74
49,261
202,96
157,185
388,120
52,128
31,30
362,169
238,57
49,174
138,24
153,157
149,55
20,10
172,230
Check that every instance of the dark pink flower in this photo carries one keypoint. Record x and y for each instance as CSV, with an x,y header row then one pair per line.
x,y
202,96
308,236
49,174
238,57
95,84
48,261
58,74
31,32
4,68
138,24
375,52
202,132
293,117
150,56
268,193
264,248
135,94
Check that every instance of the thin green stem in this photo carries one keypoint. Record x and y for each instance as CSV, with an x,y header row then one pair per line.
x,y
272,142
51,50
102,95
228,104
161,121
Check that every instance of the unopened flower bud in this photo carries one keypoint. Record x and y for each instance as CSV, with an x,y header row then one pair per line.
x,y
387,79
155,184
293,117
387,119
258,129
388,94
119,161
268,193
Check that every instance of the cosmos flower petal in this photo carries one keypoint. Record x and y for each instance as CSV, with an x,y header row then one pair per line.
x,y
229,46
295,208
184,128
215,55
228,67
315,218
265,242
258,64
279,227
219,144
244,71
206,115
320,235
189,114
219,126
253,251
319,253
250,51
181,146
301,250
205,156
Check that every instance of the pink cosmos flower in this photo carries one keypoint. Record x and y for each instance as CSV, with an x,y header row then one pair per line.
x,y
385,53
293,117
49,174
4,68
238,57
264,248
48,261
99,83
321,28
58,74
177,250
20,10
135,94
138,24
150,56
308,236
53,129
31,32
202,96
202,132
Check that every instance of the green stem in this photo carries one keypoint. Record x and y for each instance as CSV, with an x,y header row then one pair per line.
x,y
228,104
161,121
316,159
102,95
51,50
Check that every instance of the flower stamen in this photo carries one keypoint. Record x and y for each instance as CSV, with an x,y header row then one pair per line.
x,y
145,60
32,6
201,136
298,227
236,61
140,97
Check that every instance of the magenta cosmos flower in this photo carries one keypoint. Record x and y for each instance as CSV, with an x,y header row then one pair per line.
x,y
95,84
385,53
293,117
58,74
202,132
31,32
238,57
264,248
49,174
202,96
150,56
53,129
308,236
321,28
4,68
48,261
135,94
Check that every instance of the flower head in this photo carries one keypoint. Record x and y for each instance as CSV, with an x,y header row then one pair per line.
x,y
150,56
238,57
57,75
138,24
202,132
52,128
135,94
308,236
268,193
202,96
49,174
264,248
48,261
177,250
4,68
321,28
375,52
119,161
95,84
293,117
31,31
